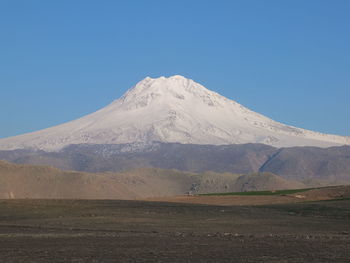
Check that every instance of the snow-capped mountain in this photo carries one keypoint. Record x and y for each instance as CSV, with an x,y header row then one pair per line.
x,y
174,109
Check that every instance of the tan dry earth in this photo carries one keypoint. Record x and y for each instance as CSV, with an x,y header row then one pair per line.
x,y
29,181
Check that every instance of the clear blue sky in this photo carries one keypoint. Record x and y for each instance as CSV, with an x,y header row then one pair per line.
x,y
289,60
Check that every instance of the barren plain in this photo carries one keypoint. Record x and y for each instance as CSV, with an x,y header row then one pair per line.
x,y
150,231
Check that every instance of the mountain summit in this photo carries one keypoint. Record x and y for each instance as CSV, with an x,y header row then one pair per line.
x,y
174,109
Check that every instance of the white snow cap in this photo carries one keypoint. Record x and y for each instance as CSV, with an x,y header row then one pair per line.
x,y
173,109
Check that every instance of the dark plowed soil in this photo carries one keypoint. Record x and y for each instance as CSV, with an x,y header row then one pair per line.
x,y
135,231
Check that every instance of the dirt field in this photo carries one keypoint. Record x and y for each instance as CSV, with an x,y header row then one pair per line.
x,y
137,231
325,193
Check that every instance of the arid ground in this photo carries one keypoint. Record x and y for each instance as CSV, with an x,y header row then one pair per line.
x,y
148,231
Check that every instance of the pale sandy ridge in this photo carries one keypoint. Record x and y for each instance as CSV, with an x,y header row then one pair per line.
x,y
29,181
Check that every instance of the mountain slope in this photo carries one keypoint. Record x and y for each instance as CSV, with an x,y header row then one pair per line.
x,y
331,165
237,158
173,109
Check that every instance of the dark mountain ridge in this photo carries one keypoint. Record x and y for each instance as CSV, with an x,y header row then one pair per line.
x,y
327,165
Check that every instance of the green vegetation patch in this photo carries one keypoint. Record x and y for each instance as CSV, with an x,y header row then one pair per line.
x,y
252,193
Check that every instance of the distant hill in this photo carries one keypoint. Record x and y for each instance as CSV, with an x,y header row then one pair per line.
x,y
264,181
310,165
29,181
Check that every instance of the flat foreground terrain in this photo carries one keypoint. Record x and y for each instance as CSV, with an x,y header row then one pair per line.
x,y
140,231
